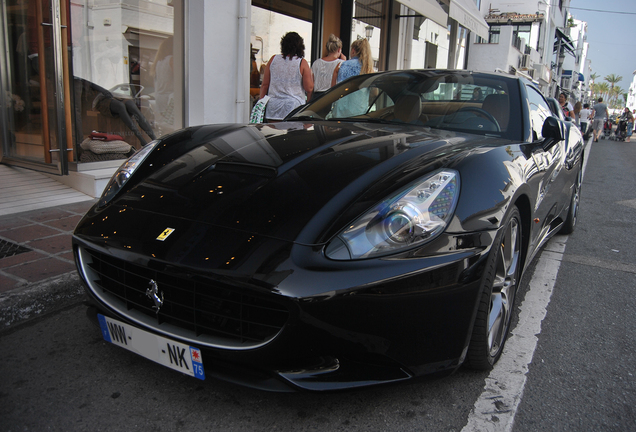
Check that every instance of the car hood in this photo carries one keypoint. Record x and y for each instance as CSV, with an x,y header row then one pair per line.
x,y
294,181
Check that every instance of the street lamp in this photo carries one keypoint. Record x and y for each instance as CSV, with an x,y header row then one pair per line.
x,y
368,31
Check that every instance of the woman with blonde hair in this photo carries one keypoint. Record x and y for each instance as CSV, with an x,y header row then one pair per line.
x,y
322,69
361,62
355,103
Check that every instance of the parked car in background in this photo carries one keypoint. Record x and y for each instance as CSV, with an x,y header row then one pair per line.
x,y
377,235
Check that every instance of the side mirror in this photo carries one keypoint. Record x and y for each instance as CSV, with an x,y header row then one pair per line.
x,y
551,132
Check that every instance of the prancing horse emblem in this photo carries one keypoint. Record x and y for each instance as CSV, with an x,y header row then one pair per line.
x,y
153,294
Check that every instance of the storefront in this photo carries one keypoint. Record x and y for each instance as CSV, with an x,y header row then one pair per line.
x,y
138,69
74,67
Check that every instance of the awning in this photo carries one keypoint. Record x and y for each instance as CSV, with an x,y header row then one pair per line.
x,y
577,75
465,12
428,8
369,12
565,40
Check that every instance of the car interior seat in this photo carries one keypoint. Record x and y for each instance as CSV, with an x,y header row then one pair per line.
x,y
498,106
408,108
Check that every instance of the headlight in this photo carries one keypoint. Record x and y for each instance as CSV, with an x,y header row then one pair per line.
x,y
125,171
410,217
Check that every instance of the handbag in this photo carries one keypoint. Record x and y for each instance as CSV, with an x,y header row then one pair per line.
x,y
258,112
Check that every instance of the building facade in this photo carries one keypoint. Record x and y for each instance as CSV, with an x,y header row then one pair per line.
x,y
139,69
575,79
631,93
531,39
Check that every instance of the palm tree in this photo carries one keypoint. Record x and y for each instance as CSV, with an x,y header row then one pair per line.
x,y
619,97
613,79
592,84
601,90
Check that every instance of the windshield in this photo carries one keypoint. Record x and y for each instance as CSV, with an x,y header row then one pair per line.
x,y
460,101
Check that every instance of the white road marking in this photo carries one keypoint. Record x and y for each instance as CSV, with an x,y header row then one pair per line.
x,y
496,407
628,203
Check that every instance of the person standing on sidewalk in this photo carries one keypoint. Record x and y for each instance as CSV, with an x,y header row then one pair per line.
x,y
287,80
322,69
584,119
599,113
629,117
566,106
360,63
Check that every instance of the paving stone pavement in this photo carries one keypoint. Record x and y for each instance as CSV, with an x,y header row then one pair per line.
x,y
37,270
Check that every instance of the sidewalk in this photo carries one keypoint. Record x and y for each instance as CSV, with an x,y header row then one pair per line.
x,y
37,270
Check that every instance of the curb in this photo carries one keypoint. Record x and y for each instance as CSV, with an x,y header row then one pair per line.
x,y
21,305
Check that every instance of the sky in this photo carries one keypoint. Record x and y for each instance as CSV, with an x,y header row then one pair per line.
x,y
611,34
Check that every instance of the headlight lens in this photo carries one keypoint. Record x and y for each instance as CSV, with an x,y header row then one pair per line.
x,y
125,171
412,216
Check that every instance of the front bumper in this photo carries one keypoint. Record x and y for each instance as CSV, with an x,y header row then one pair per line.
x,y
347,325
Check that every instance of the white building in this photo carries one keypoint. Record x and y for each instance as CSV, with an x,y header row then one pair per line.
x,y
576,68
525,38
631,94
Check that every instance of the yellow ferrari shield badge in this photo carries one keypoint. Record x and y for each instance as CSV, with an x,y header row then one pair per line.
x,y
164,235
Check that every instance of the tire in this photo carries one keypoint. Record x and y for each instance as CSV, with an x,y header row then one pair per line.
x,y
573,212
498,290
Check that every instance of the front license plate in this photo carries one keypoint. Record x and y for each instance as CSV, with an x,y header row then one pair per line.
x,y
167,352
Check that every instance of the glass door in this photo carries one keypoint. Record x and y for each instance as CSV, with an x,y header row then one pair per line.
x,y
36,129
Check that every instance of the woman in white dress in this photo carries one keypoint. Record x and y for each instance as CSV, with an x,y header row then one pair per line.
x,y
287,79
322,69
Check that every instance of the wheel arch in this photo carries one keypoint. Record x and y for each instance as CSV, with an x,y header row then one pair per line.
x,y
525,211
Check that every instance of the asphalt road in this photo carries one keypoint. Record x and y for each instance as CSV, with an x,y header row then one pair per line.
x,y
583,376
56,373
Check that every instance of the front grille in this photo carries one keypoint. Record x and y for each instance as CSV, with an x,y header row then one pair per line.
x,y
207,310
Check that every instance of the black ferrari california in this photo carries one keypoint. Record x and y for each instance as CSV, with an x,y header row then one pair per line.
x,y
378,234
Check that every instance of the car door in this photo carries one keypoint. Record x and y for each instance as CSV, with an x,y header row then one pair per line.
x,y
549,179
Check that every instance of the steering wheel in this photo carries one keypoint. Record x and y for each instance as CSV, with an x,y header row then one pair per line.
x,y
483,113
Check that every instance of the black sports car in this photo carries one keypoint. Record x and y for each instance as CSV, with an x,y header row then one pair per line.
x,y
376,235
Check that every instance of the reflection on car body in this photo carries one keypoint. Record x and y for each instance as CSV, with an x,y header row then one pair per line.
x,y
329,252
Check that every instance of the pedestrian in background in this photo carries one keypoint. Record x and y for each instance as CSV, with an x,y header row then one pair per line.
x,y
478,95
577,111
566,106
322,69
630,124
361,62
584,117
600,113
357,102
287,79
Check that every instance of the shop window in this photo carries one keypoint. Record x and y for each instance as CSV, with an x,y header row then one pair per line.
x,y
127,72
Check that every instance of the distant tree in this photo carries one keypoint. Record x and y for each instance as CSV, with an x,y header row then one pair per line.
x,y
593,83
619,97
601,90
613,79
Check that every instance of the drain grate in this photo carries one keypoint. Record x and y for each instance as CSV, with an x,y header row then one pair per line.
x,y
8,249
